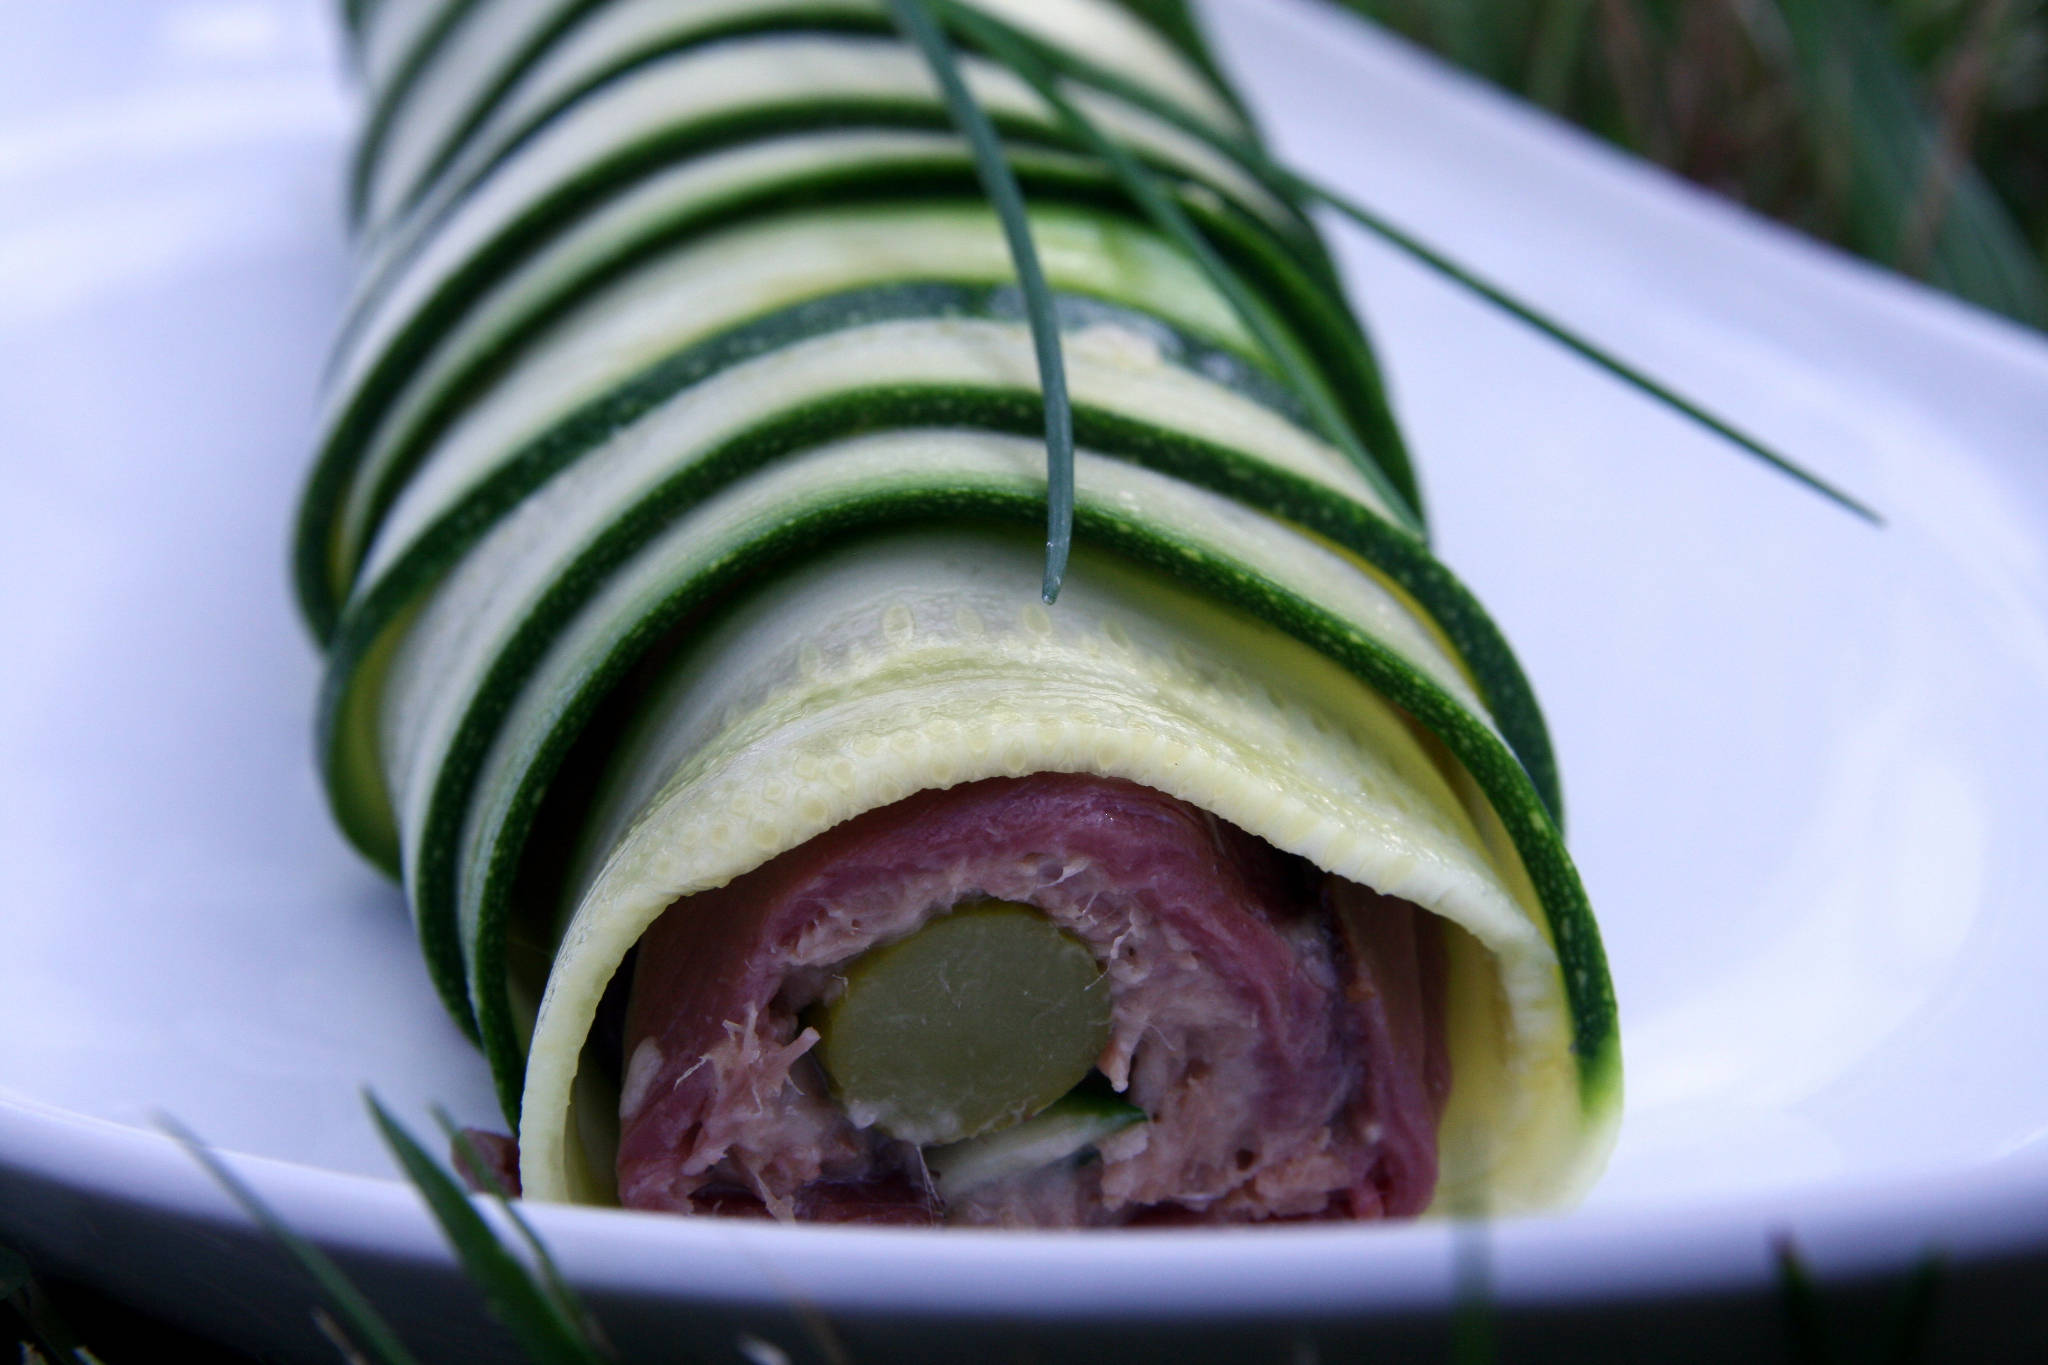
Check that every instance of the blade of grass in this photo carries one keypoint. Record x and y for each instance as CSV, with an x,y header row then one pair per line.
x,y
1578,345
1166,213
1562,30
14,1274
1472,1340
43,1333
999,183
1801,1304
552,1281
365,1321
337,1338
547,1334
1912,1313
1004,39
1860,93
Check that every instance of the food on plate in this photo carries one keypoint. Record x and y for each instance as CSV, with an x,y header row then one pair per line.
x,y
676,540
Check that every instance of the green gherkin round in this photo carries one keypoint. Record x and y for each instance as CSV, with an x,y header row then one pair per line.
x,y
981,1018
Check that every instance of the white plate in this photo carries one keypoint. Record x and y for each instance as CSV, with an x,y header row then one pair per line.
x,y
1807,760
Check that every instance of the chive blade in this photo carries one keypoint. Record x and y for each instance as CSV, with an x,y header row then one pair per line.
x,y
364,1321
1011,44
999,183
1576,344
1166,213
548,1335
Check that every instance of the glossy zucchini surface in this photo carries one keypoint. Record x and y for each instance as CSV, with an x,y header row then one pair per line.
x,y
678,497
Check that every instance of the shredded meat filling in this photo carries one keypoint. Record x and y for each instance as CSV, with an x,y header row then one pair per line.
x,y
1281,1029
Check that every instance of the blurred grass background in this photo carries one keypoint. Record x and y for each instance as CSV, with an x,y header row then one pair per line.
x,y
1913,132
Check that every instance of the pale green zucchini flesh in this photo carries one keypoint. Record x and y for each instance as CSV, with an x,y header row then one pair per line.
x,y
457,323
435,266
700,98
1329,769
903,479
1151,396
511,66
680,496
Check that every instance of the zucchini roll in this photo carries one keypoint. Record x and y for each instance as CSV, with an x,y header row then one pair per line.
x,y
675,542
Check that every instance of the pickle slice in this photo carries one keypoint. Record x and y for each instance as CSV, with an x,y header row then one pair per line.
x,y
978,1020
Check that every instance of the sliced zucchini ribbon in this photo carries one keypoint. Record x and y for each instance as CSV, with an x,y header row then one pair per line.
x,y
687,371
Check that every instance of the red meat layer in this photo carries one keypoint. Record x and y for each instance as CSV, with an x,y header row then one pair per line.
x,y
1281,1029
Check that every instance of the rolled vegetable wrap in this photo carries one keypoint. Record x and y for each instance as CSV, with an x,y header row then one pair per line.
x,y
675,540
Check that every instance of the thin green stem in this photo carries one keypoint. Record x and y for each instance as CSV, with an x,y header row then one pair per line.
x,y
546,1329
1166,213
1800,1303
553,1283
1010,44
1911,1316
47,1335
999,183
1472,1335
1578,345
368,1325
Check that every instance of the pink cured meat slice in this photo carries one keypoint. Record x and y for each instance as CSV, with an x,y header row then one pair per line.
x,y
1281,1029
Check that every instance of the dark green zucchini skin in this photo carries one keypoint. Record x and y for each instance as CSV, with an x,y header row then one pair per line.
x,y
1324,329
1535,836
781,433
364,607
